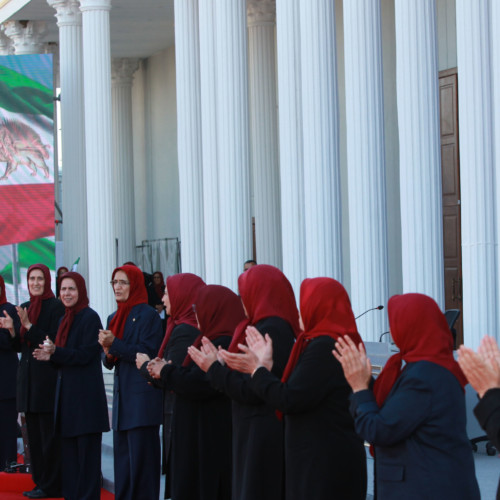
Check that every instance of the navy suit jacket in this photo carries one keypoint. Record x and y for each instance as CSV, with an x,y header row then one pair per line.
x,y
421,445
81,406
135,402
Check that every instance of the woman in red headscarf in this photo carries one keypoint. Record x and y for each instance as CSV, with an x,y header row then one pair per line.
x,y
8,370
36,382
313,395
137,407
415,415
258,464
182,330
81,407
201,428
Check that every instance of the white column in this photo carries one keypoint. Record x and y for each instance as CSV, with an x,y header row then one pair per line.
x,y
419,148
495,68
291,142
232,138
264,130
187,56
366,164
208,87
26,36
122,71
6,46
74,192
322,210
477,179
97,92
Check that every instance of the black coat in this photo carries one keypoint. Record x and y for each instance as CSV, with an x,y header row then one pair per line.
x,y
324,456
258,449
81,406
201,434
36,380
419,436
487,413
8,357
182,337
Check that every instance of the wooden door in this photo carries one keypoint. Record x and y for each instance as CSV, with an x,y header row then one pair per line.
x,y
450,168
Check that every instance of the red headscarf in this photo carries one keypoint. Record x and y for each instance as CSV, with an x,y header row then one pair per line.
x,y
3,295
69,315
421,332
182,290
36,300
138,295
326,311
160,288
265,291
219,310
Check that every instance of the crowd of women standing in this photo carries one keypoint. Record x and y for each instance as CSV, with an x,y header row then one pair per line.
x,y
257,400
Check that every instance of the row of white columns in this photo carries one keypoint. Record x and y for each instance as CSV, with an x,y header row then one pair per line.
x,y
98,197
297,190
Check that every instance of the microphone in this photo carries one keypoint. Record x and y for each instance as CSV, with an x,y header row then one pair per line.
x,y
368,310
385,333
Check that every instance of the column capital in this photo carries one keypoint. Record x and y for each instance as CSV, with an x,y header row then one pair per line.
x,y
26,36
123,69
87,5
67,12
260,12
6,46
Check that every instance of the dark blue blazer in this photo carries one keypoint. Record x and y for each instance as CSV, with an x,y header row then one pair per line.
x,y
135,402
81,406
421,445
8,357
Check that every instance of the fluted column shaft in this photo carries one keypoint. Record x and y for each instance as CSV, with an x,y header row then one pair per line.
x,y
291,141
189,146
264,130
495,68
419,148
366,163
97,92
208,85
232,138
477,191
322,206
123,156
74,197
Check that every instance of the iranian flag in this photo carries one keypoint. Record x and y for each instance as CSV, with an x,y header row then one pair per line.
x,y
26,148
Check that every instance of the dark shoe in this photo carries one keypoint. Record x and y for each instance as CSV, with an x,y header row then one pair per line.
x,y
38,493
25,493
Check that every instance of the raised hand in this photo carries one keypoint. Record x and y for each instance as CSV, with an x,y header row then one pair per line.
x,y
357,367
245,361
140,359
261,346
481,369
205,356
23,316
8,323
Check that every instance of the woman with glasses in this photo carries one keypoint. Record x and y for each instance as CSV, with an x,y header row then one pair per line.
x,y
182,330
137,406
36,381
81,407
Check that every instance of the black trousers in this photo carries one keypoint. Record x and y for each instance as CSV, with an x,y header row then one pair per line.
x,y
137,463
45,451
8,432
81,467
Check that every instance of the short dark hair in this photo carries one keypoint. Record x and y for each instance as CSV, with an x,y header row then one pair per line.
x,y
250,261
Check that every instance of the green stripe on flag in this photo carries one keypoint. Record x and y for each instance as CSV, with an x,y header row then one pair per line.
x,y
21,94
31,252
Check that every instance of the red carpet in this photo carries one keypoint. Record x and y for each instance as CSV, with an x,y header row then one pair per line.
x,y
13,485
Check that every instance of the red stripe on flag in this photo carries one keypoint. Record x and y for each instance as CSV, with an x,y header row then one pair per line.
x,y
27,212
